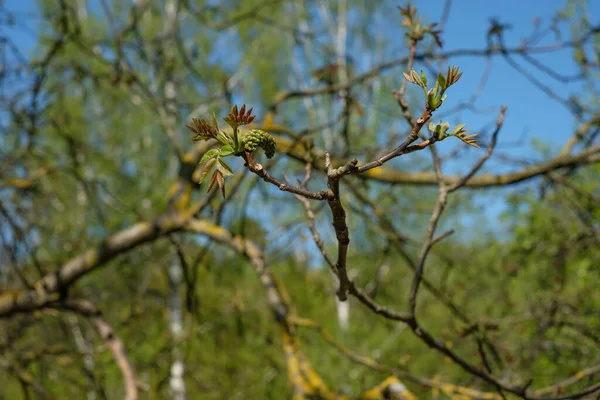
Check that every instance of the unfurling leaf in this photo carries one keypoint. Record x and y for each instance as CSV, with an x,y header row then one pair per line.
x,y
460,133
459,129
202,129
415,78
441,81
469,139
439,130
207,168
424,78
217,177
209,154
226,150
224,168
212,181
221,182
237,118
224,138
452,76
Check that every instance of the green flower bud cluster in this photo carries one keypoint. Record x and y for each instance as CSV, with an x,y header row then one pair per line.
x,y
257,138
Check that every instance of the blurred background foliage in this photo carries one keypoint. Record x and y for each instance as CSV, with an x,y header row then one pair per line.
x,y
93,138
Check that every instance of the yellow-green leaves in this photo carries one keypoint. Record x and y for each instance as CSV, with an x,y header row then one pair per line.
x,y
440,132
437,94
452,76
221,169
415,78
460,133
209,154
417,31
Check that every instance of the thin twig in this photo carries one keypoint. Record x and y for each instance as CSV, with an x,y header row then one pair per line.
x,y
414,134
259,170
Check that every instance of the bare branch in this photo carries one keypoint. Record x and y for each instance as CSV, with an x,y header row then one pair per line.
x,y
113,343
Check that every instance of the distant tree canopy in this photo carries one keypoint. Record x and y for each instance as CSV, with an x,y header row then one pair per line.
x,y
305,236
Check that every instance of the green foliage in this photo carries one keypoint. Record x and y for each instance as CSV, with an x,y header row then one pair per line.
x,y
437,94
440,131
100,151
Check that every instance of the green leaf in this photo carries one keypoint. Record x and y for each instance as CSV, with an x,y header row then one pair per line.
x,y
207,168
224,168
431,99
209,154
439,130
414,78
441,81
224,138
424,78
226,151
458,129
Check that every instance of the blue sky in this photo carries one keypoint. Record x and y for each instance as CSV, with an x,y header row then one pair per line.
x,y
531,114
530,110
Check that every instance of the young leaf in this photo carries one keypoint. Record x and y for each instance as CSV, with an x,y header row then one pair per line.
x,y
461,133
226,151
240,117
433,127
209,154
452,76
202,130
218,178
207,168
224,168
417,79
471,140
459,129
441,81
213,179
413,77
221,182
424,78
439,130
224,138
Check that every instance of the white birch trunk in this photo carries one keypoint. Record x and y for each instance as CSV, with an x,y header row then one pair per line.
x,y
177,371
84,348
